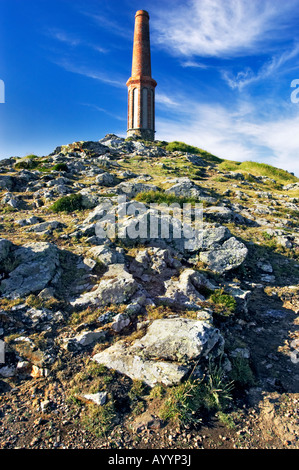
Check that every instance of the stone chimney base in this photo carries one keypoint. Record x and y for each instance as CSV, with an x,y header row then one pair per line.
x,y
144,134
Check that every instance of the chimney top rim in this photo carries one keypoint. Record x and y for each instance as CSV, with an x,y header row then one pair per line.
x,y
142,13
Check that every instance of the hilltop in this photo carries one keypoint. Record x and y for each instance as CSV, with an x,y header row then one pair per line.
x,y
147,341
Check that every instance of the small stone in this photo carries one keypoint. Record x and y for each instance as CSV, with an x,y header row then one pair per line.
x,y
99,398
45,405
120,322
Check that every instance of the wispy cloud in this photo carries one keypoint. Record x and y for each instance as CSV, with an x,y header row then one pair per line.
x,y
62,36
217,28
276,65
117,82
193,63
166,100
102,110
73,41
112,26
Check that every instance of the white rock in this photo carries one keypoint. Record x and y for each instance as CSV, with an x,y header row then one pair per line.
x,y
86,338
163,355
120,322
99,398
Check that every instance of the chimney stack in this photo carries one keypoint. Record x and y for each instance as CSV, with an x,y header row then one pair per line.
x,y
141,86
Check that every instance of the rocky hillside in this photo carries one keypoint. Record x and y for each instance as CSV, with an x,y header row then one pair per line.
x,y
117,336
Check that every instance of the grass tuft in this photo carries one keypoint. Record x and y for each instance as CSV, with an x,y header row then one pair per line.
x,y
71,203
160,197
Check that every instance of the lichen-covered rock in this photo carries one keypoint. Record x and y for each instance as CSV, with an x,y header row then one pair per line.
x,y
86,338
195,160
115,142
16,202
46,226
98,398
154,260
223,214
212,236
131,189
106,179
89,201
184,290
120,358
37,265
99,211
120,321
6,182
166,353
178,339
231,254
6,247
107,254
30,221
117,286
186,188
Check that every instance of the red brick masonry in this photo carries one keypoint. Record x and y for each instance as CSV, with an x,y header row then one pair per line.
x,y
141,102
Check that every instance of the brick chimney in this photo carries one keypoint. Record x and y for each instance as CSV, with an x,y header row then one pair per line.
x,y
141,86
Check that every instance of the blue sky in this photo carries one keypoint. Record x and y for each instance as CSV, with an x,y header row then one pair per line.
x,y
224,70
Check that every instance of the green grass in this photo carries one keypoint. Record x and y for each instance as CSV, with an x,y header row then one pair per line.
x,y
8,209
216,392
160,197
181,403
226,419
60,167
241,372
182,147
68,204
136,394
28,163
99,420
186,402
227,303
259,169
44,169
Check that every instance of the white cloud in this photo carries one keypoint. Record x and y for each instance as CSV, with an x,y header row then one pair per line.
x,y
281,137
237,135
218,28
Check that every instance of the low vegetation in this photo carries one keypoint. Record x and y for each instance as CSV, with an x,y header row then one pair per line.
x,y
60,167
226,303
182,403
99,420
30,162
71,203
259,169
182,147
160,197
241,372
186,403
